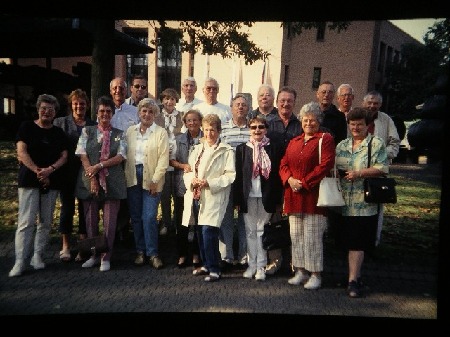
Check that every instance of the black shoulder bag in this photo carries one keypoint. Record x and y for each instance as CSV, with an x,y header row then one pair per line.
x,y
379,190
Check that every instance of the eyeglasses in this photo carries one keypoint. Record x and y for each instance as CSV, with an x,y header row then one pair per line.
x,y
254,127
137,86
47,108
211,88
325,92
346,95
118,87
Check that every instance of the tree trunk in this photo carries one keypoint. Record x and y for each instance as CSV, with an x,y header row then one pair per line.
x,y
102,60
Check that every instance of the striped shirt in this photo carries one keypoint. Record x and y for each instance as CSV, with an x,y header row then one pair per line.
x,y
234,135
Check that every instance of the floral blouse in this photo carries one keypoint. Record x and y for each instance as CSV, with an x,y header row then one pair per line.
x,y
348,160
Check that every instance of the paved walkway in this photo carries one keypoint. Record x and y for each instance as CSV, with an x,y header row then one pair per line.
x,y
394,291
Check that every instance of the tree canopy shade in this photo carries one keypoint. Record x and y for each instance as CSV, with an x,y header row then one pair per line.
x,y
24,37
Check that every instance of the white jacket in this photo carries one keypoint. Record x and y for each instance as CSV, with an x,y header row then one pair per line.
x,y
220,173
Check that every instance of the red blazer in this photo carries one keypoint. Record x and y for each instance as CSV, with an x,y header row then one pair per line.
x,y
301,161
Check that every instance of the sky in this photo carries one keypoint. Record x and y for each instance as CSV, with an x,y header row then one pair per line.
x,y
415,27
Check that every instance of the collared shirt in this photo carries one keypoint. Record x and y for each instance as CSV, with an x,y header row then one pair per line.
x,y
125,116
141,143
269,116
234,135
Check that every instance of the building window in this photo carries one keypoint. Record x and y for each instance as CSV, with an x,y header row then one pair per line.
x,y
286,75
169,59
9,106
396,57
321,31
316,77
137,64
389,57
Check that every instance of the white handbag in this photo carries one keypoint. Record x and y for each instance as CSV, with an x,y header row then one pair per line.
x,y
330,191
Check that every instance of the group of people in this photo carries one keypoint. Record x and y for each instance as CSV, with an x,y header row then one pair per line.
x,y
221,165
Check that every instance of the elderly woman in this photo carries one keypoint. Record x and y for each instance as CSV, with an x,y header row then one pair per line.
x,y
301,173
72,124
146,165
208,190
179,160
101,181
42,149
257,191
171,120
357,229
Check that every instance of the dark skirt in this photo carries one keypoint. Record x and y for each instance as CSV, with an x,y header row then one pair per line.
x,y
356,232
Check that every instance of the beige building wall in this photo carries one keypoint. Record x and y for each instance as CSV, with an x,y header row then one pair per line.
x,y
245,78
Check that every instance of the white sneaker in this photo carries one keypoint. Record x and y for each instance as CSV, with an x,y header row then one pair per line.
x,y
249,272
17,270
313,283
260,274
163,231
36,262
244,260
273,267
298,278
90,263
105,266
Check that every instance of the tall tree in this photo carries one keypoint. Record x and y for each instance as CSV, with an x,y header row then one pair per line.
x,y
229,38
438,39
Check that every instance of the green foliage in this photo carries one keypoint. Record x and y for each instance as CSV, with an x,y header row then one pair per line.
x,y
411,80
438,39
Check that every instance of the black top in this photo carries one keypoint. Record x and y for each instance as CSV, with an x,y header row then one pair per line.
x,y
335,121
44,147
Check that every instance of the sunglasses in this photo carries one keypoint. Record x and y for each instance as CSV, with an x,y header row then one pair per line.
x,y
254,127
137,86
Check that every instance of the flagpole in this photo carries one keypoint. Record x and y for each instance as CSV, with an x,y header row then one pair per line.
x,y
207,65
233,78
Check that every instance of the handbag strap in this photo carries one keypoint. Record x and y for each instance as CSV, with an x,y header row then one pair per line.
x,y
369,152
320,156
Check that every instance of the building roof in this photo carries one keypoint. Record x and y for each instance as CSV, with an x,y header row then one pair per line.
x,y
25,37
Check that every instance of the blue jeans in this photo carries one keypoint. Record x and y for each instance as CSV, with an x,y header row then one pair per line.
x,y
208,242
143,208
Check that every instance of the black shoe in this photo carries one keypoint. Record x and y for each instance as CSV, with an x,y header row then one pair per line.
x,y
225,265
354,289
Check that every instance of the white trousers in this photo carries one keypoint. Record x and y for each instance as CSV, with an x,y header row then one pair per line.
x,y
254,228
35,217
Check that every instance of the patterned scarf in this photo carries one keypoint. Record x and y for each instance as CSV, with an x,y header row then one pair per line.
x,y
170,122
261,161
104,155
